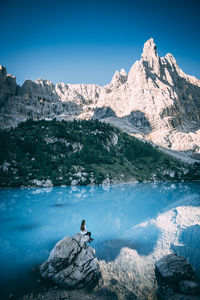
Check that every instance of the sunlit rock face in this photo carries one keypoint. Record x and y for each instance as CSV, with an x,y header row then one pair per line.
x,y
156,101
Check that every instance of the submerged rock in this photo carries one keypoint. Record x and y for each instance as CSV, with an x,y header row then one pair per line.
x,y
71,263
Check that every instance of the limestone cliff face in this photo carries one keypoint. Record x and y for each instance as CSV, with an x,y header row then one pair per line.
x,y
156,101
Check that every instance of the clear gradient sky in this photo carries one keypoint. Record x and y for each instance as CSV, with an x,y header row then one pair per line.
x,y
85,41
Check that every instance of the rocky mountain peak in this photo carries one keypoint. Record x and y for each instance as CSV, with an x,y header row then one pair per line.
x,y
123,72
8,86
150,56
149,50
4,76
171,61
157,100
38,80
149,47
119,78
171,58
3,71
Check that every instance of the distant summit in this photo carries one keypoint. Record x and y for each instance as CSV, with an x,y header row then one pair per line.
x,y
155,101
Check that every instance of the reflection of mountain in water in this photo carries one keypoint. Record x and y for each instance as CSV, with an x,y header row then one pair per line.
x,y
143,244
190,249
131,259
133,225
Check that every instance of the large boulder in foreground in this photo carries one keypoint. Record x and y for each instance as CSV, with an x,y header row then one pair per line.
x,y
175,277
173,268
71,263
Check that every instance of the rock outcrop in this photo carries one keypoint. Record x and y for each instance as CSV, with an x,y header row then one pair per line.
x,y
8,86
156,101
175,277
71,263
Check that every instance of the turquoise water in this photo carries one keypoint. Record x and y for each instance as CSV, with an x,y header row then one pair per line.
x,y
33,220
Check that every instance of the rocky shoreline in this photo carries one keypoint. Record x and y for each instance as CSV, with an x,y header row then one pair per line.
x,y
75,273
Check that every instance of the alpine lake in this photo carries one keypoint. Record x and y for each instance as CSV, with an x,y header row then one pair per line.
x,y
146,219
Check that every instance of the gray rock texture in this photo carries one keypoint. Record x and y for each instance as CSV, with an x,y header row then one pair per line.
x,y
173,268
71,263
8,86
190,287
156,101
175,278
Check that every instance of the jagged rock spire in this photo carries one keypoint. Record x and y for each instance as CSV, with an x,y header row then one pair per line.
x,y
123,72
8,86
167,98
3,71
150,56
149,49
119,78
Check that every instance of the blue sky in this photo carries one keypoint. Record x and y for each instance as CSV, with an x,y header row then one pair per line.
x,y
86,41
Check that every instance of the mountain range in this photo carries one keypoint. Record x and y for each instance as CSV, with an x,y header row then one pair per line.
x,y
155,101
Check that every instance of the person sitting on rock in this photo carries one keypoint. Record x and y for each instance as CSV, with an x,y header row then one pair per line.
x,y
84,231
